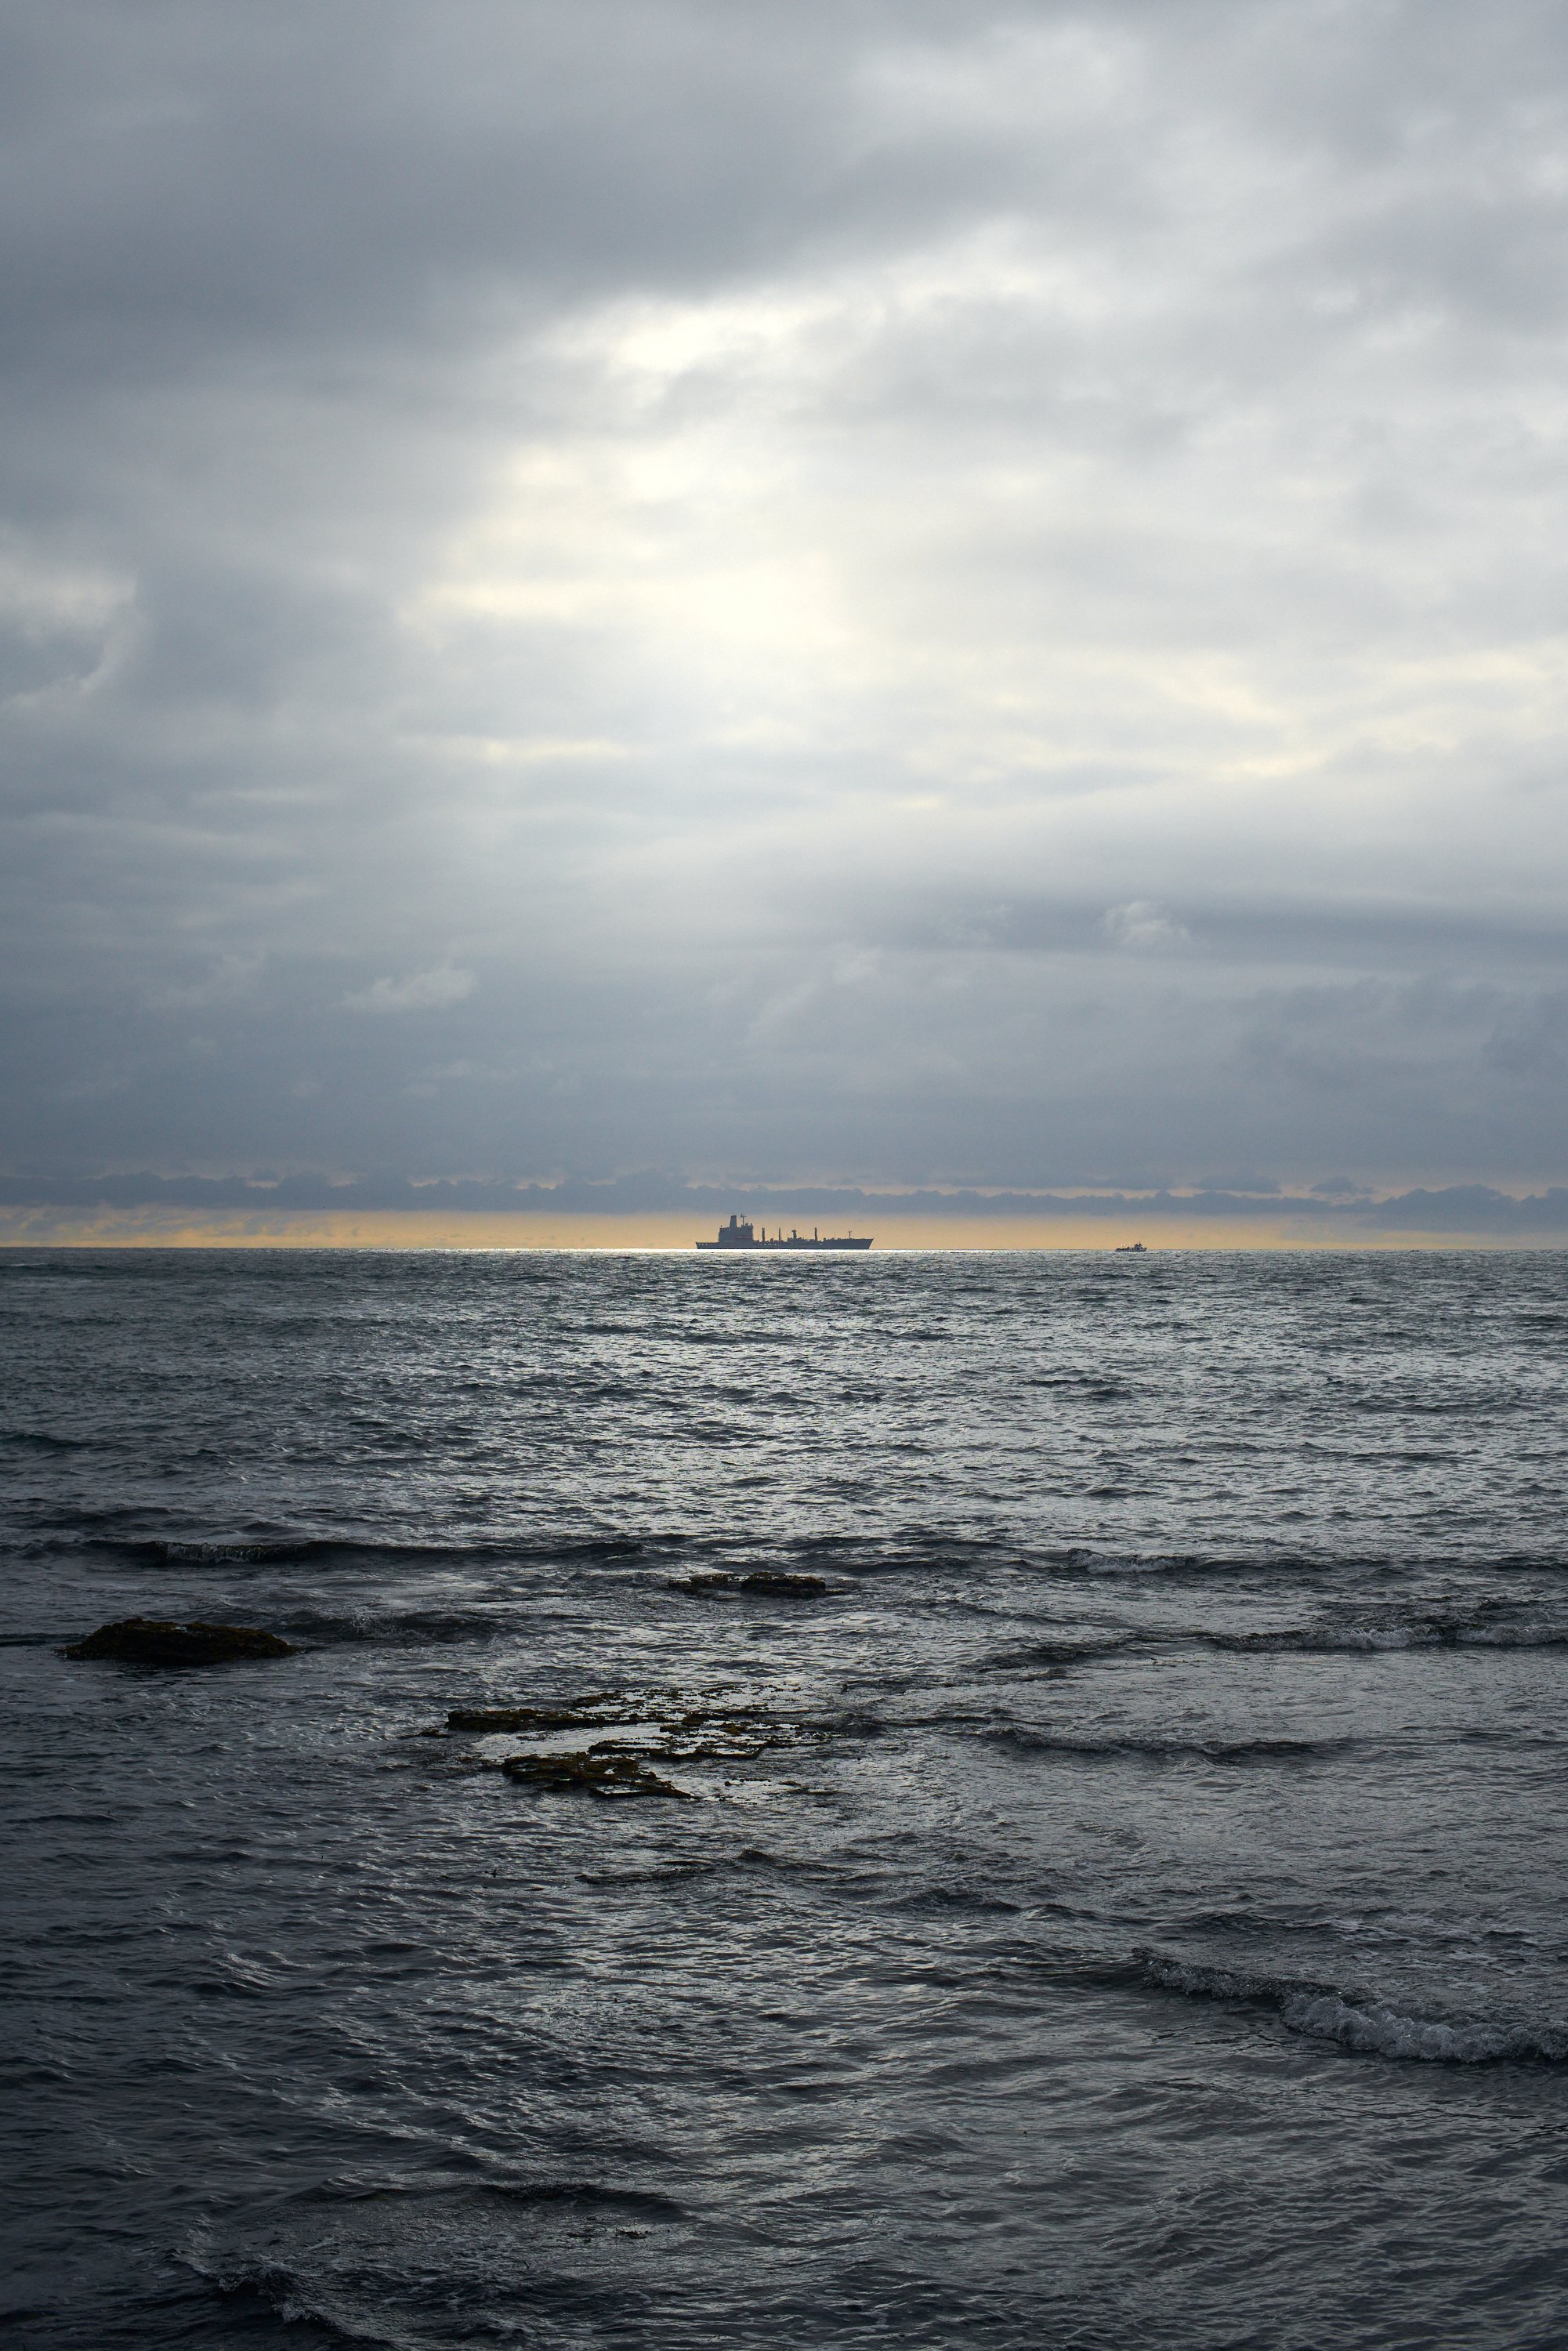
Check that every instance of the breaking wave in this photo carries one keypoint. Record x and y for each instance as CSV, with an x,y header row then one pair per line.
x,y
1364,2026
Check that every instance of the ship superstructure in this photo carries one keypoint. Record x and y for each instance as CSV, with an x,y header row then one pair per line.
x,y
740,1233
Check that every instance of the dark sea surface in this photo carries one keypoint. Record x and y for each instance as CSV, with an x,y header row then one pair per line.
x,y
1127,1907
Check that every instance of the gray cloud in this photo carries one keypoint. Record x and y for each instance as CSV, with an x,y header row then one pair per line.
x,y
814,594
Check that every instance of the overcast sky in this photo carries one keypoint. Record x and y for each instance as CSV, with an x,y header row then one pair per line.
x,y
785,589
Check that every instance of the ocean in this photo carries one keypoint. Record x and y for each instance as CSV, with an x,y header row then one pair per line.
x,y
1115,1895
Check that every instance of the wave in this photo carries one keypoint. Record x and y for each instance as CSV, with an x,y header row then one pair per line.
x,y
1056,1653
45,1440
1169,1750
1476,1628
595,2195
1487,1626
946,1897
1364,2026
270,1548
749,1861
925,1554
63,1269
1343,2016
1197,1566
1269,1567
381,2264
413,1626
1423,1407
268,1544
283,2293
1091,1387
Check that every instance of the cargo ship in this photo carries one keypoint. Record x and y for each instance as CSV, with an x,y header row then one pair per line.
x,y
737,1235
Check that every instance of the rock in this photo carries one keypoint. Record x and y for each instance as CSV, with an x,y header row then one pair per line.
x,y
763,1582
649,1727
150,1641
577,1714
599,1775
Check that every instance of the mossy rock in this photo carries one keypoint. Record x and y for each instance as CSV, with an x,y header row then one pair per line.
x,y
594,1774
151,1641
759,1583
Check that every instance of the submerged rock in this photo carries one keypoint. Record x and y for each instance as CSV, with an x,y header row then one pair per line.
x,y
599,1774
150,1641
762,1581
577,1714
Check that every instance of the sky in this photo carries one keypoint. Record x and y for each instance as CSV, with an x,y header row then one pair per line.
x,y
800,598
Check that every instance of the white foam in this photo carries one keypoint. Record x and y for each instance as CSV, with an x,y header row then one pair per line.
x,y
1370,2027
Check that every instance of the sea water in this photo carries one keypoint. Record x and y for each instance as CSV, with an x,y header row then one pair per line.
x,y
1147,1926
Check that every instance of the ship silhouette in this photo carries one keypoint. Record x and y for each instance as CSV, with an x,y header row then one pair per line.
x,y
738,1235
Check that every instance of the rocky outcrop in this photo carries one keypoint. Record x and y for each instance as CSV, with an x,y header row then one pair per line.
x,y
646,1727
595,1774
577,1713
151,1641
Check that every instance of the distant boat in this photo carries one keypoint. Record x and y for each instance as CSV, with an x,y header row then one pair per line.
x,y
738,1236
1130,1249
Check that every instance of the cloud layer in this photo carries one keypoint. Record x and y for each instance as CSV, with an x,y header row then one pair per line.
x,y
808,594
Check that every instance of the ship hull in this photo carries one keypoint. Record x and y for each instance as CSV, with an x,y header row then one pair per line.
x,y
755,1248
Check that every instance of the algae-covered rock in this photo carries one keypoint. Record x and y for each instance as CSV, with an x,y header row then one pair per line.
x,y
150,1641
764,1581
577,1713
596,1774
490,1718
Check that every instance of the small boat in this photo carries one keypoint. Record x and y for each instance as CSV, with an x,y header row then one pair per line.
x,y
1130,1249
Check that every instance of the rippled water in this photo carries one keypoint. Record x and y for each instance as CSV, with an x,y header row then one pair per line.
x,y
1148,1927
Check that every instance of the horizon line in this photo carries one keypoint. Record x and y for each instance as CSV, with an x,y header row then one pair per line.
x,y
671,1234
